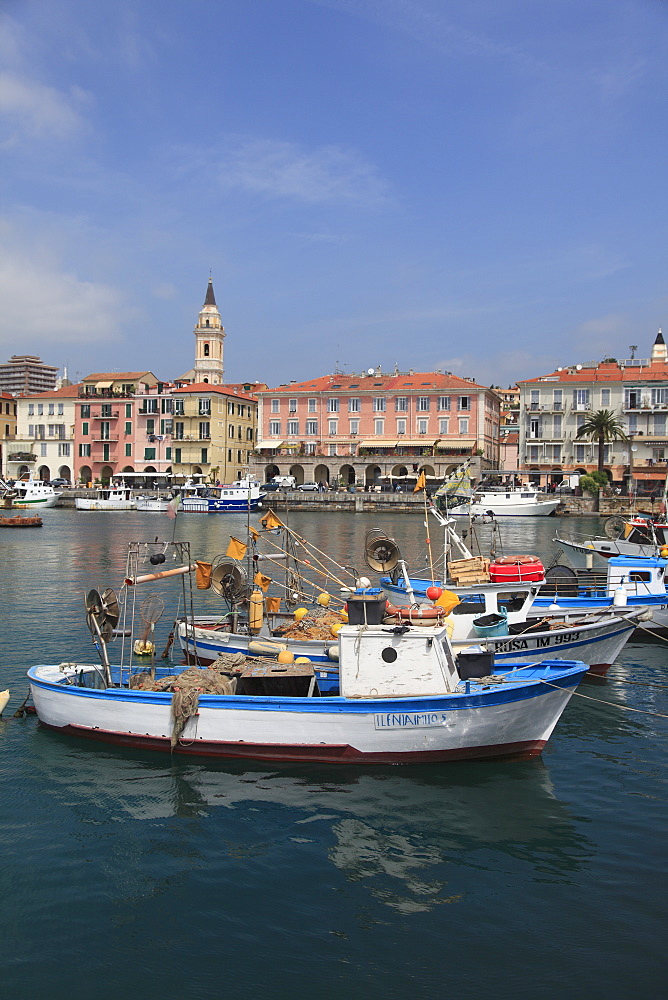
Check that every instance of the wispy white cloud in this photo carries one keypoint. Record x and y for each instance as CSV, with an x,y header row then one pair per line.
x,y
45,303
30,109
279,169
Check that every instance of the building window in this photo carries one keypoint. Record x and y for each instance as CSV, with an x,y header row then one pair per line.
x,y
128,450
204,456
168,453
556,425
605,397
229,454
556,452
444,402
310,447
463,425
85,411
422,426
311,427
379,404
581,399
230,431
354,426
204,408
354,404
230,409
313,406
150,426
84,451
84,428
332,426
149,454
178,430
204,429
177,455
464,402
31,409
659,423
104,430
40,409
534,427
401,404
293,427
105,410
42,450
61,409
558,402
64,450
206,346
379,426
579,453
401,426
332,449
332,406
533,453
659,397
178,408
292,406
535,399
633,423
444,426
423,404
275,406
274,427
128,427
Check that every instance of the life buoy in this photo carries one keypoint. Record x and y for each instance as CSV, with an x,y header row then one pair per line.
x,y
516,560
425,614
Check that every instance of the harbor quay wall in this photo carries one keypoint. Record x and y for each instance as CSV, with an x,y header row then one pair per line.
x,y
361,501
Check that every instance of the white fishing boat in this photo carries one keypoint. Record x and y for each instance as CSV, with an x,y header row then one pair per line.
x,y
638,537
108,498
28,493
156,504
516,501
404,697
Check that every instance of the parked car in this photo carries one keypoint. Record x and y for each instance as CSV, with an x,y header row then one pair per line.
x,y
308,487
60,482
271,487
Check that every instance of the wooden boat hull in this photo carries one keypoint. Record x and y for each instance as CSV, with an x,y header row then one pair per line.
x,y
503,720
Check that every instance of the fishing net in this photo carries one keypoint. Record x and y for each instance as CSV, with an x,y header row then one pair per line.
x,y
316,625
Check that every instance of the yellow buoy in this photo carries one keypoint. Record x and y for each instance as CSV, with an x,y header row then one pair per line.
x,y
285,656
302,659
334,629
344,615
663,551
256,611
323,600
300,613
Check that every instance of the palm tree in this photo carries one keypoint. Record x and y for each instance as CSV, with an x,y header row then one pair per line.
x,y
602,426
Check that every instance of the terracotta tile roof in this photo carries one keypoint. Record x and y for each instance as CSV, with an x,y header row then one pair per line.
x,y
428,381
117,376
605,372
221,390
65,392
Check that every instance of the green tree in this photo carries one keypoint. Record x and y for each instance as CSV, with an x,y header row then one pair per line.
x,y
601,426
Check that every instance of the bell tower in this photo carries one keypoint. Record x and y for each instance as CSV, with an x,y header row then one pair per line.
x,y
209,337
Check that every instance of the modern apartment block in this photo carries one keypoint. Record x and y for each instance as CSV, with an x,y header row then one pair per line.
x,y
370,428
553,408
26,373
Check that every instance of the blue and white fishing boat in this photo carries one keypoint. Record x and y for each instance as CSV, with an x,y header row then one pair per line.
x,y
404,698
240,496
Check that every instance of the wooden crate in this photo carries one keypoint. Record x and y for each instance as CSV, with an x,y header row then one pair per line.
x,y
465,571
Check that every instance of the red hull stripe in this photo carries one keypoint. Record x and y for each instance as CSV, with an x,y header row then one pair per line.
x,y
318,753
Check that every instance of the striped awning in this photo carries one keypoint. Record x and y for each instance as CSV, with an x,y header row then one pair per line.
x,y
269,444
103,385
456,444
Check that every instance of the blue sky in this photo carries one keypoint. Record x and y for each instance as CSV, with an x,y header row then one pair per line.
x,y
472,185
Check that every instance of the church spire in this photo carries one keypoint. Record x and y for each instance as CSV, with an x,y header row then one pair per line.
x,y
659,352
209,337
210,299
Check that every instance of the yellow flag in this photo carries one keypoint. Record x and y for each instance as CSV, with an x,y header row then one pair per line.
x,y
262,581
271,521
203,575
254,534
421,483
273,605
236,549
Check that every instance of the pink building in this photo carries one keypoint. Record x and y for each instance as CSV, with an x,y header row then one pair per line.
x,y
371,428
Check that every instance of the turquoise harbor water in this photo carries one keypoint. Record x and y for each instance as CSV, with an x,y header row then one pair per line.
x,y
130,874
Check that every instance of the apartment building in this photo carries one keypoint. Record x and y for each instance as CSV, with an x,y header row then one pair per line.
x,y
8,408
553,408
214,431
375,427
25,374
44,441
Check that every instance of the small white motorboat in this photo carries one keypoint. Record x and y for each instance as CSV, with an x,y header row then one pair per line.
x,y
28,493
108,498
518,501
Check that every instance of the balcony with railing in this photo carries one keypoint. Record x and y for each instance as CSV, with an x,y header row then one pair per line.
x,y
112,415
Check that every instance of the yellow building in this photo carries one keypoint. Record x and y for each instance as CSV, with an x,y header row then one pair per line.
x,y
214,431
7,427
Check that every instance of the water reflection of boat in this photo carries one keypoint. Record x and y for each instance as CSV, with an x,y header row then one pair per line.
x,y
393,832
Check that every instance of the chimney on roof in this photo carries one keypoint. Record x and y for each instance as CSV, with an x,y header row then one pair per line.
x,y
659,352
